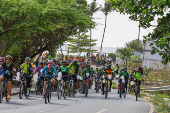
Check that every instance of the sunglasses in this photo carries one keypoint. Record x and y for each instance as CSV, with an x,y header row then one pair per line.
x,y
8,59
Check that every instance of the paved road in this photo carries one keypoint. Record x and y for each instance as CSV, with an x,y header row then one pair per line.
x,y
94,103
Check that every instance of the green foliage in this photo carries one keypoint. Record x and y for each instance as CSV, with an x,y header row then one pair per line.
x,y
84,43
29,27
125,53
145,11
111,55
135,46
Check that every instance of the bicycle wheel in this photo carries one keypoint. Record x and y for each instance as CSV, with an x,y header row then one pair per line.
x,y
59,91
21,90
6,94
86,89
136,93
1,93
64,92
120,92
69,89
37,89
49,93
73,90
106,91
46,93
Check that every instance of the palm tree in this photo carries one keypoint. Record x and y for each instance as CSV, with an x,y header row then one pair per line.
x,y
93,8
107,8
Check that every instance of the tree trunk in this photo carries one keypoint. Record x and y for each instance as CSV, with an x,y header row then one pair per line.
x,y
139,34
90,41
103,33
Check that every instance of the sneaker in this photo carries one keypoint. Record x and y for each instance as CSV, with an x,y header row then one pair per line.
x,y
8,97
139,95
28,92
109,90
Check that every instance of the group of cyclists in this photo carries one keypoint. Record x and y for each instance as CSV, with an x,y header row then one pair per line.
x,y
68,69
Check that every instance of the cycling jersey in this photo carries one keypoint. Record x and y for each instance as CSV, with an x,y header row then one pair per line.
x,y
108,72
117,67
85,71
131,77
64,70
125,74
27,68
38,69
73,68
138,76
1,71
51,74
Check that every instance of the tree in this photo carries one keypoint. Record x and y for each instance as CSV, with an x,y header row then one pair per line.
x,y
93,9
134,45
145,11
125,54
112,55
107,8
27,28
83,41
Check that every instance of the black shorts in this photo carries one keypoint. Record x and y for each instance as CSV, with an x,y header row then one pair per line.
x,y
139,82
8,77
74,78
65,79
45,79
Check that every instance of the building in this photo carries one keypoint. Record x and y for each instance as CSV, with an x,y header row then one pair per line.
x,y
152,61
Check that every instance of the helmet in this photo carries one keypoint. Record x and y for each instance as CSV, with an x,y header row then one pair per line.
x,y
27,58
109,65
116,64
41,63
50,61
91,67
88,66
125,68
75,61
8,56
82,67
2,58
45,63
140,68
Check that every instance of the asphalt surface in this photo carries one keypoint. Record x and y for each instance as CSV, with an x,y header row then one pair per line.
x,y
94,103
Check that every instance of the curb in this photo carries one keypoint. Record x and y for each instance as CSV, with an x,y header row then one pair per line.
x,y
16,93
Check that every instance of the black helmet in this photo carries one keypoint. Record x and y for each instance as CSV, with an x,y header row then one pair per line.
x,y
140,68
41,63
88,66
117,64
45,62
125,68
63,61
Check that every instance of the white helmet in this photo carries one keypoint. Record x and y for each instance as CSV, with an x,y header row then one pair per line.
x,y
50,62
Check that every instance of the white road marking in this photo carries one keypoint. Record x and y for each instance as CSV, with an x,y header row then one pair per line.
x,y
151,105
101,111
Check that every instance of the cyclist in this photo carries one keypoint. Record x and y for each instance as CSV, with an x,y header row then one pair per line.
x,y
138,78
98,76
126,75
74,70
27,70
131,77
50,70
116,68
7,67
64,70
38,69
85,71
108,71
1,62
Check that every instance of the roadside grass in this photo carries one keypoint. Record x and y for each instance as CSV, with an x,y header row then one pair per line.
x,y
114,85
160,104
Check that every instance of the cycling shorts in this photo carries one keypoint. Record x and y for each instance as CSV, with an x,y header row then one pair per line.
x,y
139,82
65,79
9,78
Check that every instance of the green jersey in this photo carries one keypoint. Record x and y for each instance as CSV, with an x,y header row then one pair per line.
x,y
26,68
138,76
64,70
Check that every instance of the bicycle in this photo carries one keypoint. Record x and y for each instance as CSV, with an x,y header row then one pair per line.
x,y
71,88
137,91
86,85
4,90
48,90
97,84
61,88
105,81
131,89
80,84
39,86
122,87
23,86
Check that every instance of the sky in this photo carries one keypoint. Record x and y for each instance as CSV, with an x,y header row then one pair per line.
x,y
120,29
